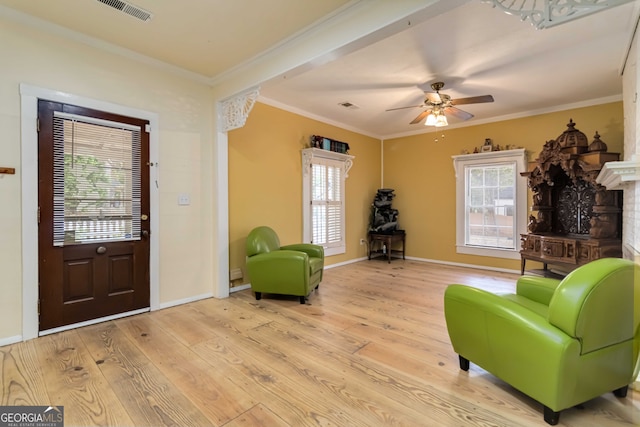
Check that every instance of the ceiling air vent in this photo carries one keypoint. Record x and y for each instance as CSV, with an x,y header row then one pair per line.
x,y
128,8
347,104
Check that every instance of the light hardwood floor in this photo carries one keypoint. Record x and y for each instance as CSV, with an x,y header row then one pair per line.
x,y
369,349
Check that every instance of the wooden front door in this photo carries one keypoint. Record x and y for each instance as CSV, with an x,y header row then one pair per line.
x,y
93,216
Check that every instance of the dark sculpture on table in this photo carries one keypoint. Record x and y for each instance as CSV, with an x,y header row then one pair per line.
x,y
384,219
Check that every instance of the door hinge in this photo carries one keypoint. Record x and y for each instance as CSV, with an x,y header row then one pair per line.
x,y
38,214
38,125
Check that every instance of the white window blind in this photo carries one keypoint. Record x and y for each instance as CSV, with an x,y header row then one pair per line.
x,y
323,198
96,183
326,204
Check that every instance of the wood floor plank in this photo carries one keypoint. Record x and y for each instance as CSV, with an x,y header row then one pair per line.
x,y
184,324
229,314
296,318
249,380
75,382
286,394
22,376
193,376
398,398
147,395
258,416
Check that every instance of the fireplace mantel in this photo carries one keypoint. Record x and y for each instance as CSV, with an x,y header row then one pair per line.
x,y
614,175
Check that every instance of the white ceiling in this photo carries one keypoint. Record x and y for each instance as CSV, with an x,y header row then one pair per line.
x,y
473,48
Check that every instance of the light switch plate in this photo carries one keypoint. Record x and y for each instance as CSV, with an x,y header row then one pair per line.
x,y
184,199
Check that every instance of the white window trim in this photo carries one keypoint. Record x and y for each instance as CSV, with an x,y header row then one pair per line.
x,y
308,154
519,156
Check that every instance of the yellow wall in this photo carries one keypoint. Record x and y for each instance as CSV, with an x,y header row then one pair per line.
x,y
421,172
265,179
265,176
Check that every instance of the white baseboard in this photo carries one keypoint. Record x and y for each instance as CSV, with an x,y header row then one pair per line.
x,y
339,264
459,264
240,288
92,322
10,340
432,261
186,300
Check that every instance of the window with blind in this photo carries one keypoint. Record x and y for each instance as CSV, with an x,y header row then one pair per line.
x,y
324,199
97,186
491,203
490,206
326,205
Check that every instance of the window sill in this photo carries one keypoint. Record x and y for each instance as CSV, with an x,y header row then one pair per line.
x,y
334,251
495,253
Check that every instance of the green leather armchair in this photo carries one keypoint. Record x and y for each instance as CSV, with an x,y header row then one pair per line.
x,y
289,270
560,342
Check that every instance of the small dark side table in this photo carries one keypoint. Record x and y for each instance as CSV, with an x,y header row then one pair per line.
x,y
381,244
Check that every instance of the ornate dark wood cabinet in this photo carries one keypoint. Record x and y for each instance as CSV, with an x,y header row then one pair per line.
x,y
577,219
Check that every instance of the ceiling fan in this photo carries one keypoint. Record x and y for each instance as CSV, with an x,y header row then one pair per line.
x,y
437,104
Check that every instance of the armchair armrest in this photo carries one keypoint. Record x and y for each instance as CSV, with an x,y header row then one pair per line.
x,y
489,330
538,289
316,251
473,315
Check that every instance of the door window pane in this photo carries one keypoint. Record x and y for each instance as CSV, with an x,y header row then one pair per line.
x,y
97,189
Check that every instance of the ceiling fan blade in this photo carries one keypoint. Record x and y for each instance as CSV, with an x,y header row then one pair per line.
x,y
472,100
403,108
421,116
458,113
433,97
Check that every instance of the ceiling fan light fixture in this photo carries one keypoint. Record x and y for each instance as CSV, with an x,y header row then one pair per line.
x,y
441,120
436,118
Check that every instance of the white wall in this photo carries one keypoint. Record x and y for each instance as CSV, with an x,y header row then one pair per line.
x,y
185,113
631,192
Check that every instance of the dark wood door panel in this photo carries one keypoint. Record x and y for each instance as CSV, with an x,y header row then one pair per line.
x,y
121,274
81,281
78,283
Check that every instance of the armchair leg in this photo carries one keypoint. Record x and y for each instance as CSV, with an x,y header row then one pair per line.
x,y
621,392
258,295
550,416
464,363
302,300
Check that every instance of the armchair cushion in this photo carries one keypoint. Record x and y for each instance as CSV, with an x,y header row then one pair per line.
x,y
290,270
560,342
539,289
